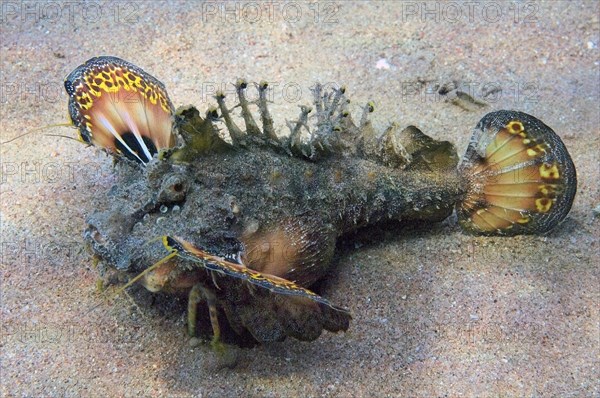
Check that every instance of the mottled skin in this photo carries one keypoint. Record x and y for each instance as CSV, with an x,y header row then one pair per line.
x,y
280,212
277,205
262,198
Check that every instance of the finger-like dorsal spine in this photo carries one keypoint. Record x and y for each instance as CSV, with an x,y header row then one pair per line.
x,y
265,115
237,136
251,126
294,142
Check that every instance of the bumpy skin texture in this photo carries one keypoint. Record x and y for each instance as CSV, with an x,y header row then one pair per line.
x,y
277,205
270,203
254,192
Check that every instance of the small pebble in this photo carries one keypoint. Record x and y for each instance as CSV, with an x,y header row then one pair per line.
x,y
164,209
382,64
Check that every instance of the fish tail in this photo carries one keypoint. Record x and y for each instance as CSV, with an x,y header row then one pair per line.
x,y
519,177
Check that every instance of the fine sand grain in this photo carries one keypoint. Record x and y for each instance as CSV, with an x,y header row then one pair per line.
x,y
436,313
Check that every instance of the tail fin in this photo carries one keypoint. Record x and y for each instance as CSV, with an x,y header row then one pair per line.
x,y
520,178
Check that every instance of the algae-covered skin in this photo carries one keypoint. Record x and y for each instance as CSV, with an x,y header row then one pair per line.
x,y
250,221
281,213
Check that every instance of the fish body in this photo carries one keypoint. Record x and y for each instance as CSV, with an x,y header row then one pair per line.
x,y
251,219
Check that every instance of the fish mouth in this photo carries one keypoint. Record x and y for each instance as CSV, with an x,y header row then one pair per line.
x,y
128,240
104,248
108,236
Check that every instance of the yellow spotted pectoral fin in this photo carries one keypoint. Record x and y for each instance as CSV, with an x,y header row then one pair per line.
x,y
268,306
119,107
187,251
520,178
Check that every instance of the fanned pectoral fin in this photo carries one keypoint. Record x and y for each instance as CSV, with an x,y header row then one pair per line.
x,y
268,306
260,319
119,107
520,177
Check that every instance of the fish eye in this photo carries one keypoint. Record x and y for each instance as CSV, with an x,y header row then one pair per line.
x,y
173,189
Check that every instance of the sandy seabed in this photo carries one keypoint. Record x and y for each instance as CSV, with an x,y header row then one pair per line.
x,y
436,313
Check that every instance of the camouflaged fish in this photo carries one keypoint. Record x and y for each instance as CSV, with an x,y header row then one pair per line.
x,y
248,220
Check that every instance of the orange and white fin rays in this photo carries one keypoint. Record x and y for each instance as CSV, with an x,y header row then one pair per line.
x,y
134,116
132,126
508,215
108,126
492,221
108,91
